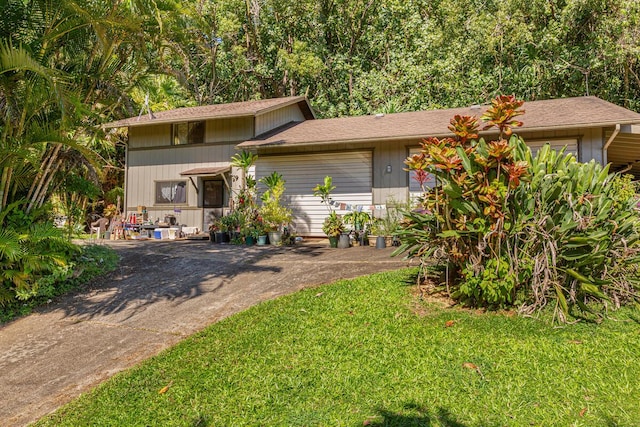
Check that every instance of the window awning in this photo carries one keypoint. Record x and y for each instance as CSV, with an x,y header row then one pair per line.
x,y
212,171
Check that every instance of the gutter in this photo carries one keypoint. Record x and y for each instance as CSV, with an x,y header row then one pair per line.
x,y
608,143
439,134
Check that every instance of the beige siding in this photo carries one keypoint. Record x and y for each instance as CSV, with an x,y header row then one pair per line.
x,y
229,130
148,166
282,116
150,136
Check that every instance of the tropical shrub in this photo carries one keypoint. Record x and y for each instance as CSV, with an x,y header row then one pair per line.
x,y
34,254
516,229
273,213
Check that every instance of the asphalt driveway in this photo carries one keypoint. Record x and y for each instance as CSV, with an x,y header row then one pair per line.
x,y
161,293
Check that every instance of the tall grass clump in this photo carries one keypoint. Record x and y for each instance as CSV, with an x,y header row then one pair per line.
x,y
516,229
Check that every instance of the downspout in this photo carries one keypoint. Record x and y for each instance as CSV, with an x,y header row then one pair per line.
x,y
126,175
615,133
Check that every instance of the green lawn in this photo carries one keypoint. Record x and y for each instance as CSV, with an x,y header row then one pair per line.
x,y
367,352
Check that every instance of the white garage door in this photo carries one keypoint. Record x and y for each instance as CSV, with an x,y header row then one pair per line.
x,y
556,144
351,172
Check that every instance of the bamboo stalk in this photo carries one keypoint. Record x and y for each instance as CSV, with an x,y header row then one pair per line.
x,y
44,176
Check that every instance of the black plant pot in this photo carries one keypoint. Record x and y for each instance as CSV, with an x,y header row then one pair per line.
x,y
222,237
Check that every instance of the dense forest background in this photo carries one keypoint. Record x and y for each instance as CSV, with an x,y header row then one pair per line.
x,y
67,66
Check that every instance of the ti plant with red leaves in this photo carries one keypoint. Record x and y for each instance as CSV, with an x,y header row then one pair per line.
x,y
469,212
516,229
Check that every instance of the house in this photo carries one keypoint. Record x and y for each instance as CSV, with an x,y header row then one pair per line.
x,y
178,161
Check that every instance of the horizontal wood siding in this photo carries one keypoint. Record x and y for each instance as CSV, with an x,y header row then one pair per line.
x,y
273,119
351,172
148,166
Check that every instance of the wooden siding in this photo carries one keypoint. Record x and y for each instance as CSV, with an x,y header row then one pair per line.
x,y
229,130
148,166
273,119
150,136
219,131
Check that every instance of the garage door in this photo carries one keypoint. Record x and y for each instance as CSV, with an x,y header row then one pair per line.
x,y
556,144
351,172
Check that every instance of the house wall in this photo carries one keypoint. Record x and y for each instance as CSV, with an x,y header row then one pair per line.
x,y
590,141
273,119
394,186
236,130
147,166
151,157
150,136
386,186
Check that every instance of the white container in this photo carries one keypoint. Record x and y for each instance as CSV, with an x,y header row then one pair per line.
x,y
173,233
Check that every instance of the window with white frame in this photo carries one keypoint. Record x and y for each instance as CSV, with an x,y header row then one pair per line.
x,y
171,192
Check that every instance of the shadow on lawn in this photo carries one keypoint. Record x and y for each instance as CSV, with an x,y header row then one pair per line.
x,y
150,272
421,417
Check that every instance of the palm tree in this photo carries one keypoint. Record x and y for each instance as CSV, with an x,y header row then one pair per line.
x,y
64,66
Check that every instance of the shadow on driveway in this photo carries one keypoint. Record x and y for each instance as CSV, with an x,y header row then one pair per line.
x,y
160,293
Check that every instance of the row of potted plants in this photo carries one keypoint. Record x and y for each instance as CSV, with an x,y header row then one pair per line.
x,y
362,224
249,223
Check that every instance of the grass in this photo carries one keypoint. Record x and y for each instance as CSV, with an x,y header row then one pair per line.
x,y
91,262
367,352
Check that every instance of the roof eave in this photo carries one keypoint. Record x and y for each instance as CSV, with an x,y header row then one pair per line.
x,y
292,101
249,144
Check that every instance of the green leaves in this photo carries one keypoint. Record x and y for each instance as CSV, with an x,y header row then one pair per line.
x,y
522,228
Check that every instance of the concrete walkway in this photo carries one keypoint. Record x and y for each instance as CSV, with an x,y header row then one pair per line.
x,y
161,293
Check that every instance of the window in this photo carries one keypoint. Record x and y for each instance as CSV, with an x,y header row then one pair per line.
x,y
171,192
414,180
188,133
213,194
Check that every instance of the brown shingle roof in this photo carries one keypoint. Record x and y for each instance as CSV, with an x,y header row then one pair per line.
x,y
235,109
552,114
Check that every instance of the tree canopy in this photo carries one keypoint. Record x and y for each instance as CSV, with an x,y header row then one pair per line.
x,y
66,66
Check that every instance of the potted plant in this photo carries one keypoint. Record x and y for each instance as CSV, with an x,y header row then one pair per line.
x,y
274,215
360,222
333,227
222,235
387,225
